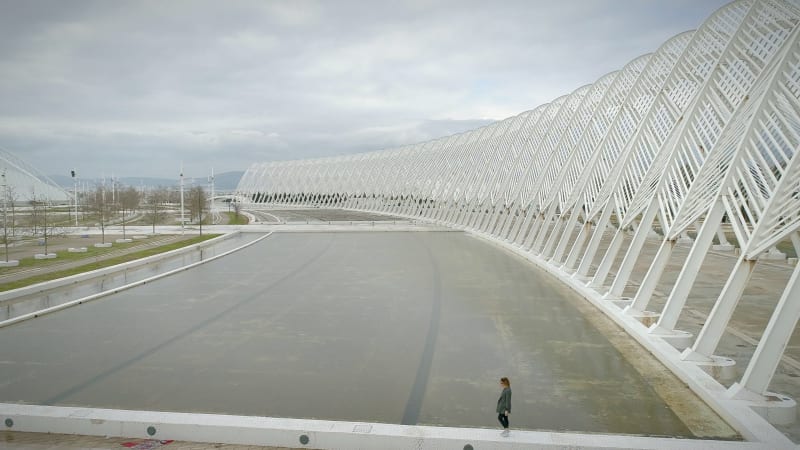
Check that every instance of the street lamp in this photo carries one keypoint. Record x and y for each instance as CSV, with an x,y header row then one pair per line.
x,y
211,202
75,194
5,220
182,220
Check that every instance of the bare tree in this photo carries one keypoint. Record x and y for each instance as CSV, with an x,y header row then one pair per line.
x,y
197,204
101,207
40,220
11,203
129,199
155,198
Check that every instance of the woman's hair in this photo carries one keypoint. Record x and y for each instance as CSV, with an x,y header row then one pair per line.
x,y
505,381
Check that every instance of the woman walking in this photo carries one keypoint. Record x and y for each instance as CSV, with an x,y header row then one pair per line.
x,y
504,405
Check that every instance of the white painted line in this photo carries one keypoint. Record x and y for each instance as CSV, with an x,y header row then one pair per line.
x,y
277,219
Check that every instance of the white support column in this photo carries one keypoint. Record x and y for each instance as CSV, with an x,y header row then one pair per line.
x,y
723,245
430,210
477,216
455,210
496,222
538,224
594,242
490,219
519,228
474,215
464,218
483,217
639,238
435,209
776,336
444,211
601,274
410,206
559,224
544,230
577,246
709,337
418,208
460,218
680,291
645,292
565,234
505,227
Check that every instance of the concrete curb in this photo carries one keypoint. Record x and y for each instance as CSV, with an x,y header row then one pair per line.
x,y
305,433
77,278
89,298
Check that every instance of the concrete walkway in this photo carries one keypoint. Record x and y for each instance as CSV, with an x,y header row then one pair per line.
x,y
40,441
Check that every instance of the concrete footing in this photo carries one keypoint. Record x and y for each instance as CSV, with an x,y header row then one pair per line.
x,y
678,339
103,244
648,318
721,368
773,254
622,302
777,409
9,263
77,250
123,241
583,279
45,256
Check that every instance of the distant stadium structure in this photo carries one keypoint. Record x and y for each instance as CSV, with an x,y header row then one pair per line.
x,y
26,183
700,137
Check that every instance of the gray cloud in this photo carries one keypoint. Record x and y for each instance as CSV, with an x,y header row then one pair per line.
x,y
137,87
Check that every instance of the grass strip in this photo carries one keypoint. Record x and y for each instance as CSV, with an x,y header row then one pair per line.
x,y
89,266
233,219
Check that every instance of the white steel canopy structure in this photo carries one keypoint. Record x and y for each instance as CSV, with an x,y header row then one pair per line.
x,y
26,182
703,132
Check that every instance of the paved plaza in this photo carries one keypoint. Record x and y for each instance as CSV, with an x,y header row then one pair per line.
x,y
40,441
415,326
407,328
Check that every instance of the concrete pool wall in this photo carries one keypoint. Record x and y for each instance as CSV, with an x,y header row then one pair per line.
x,y
50,294
386,313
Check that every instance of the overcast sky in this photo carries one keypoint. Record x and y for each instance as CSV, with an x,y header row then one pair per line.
x,y
135,87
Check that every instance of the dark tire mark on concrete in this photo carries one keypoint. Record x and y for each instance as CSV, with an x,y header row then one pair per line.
x,y
415,398
127,363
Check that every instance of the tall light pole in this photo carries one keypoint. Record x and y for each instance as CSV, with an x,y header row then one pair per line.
x,y
5,220
211,202
182,221
75,194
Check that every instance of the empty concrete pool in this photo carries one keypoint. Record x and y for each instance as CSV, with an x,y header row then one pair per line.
x,y
405,327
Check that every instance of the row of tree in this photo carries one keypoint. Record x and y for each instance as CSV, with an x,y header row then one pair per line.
x,y
102,206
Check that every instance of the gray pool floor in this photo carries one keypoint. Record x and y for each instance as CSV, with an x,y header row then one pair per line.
x,y
386,327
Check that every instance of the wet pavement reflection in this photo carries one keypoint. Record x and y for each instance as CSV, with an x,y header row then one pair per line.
x,y
386,327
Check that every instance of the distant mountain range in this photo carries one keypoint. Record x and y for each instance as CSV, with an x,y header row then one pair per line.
x,y
226,181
